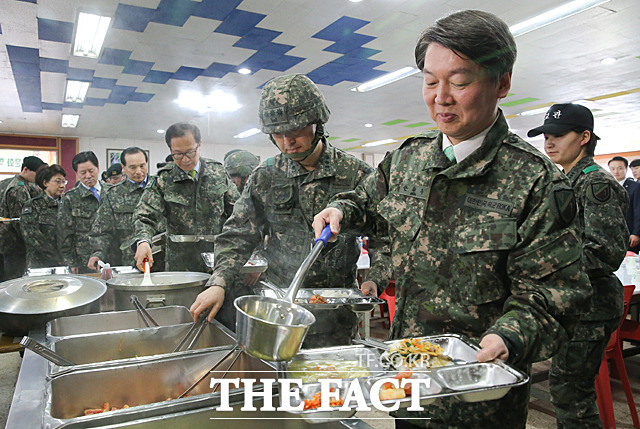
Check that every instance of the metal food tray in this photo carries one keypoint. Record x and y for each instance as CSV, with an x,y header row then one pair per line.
x,y
145,387
336,297
255,266
114,321
119,347
466,379
366,357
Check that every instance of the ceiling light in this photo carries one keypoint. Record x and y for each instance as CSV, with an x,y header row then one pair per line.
x,y
244,71
534,111
378,143
250,132
90,34
553,15
368,125
76,91
69,121
607,61
386,79
0,122
216,102
159,131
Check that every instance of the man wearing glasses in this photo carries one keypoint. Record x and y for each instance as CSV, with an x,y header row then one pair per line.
x,y
114,222
193,195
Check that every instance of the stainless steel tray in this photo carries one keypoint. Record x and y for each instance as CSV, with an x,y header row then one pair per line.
x,y
364,357
115,321
255,266
313,416
118,347
145,387
336,297
457,347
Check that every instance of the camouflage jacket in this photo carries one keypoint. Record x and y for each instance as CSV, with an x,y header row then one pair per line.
x,y
18,192
280,199
4,183
488,245
76,214
190,207
113,224
601,207
38,225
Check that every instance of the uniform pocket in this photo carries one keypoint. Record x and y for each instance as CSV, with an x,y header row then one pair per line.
x,y
282,197
83,218
403,213
481,252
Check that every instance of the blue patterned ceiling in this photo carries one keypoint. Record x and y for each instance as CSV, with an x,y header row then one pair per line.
x,y
353,65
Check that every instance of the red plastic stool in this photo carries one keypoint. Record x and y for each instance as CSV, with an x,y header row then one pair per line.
x,y
389,295
613,353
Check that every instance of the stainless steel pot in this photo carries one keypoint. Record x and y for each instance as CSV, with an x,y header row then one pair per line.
x,y
30,302
169,288
269,328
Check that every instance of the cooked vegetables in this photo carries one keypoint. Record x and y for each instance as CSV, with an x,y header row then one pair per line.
x,y
312,370
417,353
315,401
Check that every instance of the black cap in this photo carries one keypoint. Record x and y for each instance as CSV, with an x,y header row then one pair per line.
x,y
114,170
562,118
32,162
104,176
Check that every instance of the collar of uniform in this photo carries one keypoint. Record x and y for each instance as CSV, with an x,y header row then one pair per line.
x,y
179,174
576,171
479,161
324,168
98,186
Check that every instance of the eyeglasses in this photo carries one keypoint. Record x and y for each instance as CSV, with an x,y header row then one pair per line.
x,y
60,182
179,155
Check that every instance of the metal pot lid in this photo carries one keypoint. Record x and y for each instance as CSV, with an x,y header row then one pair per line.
x,y
47,294
161,281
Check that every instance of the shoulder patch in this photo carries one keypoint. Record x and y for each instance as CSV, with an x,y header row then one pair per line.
x,y
599,192
20,183
565,204
270,161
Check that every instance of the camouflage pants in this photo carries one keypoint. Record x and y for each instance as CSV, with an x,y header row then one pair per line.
x,y
509,411
15,265
573,373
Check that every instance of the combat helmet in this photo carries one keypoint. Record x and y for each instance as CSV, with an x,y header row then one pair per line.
x,y
240,163
292,102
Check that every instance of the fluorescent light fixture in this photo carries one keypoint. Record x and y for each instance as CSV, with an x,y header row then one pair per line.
x,y
368,125
218,101
76,91
534,111
608,61
378,143
69,121
0,122
386,79
250,132
244,71
90,34
159,131
553,15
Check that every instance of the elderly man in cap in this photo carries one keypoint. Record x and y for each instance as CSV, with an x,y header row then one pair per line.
x,y
19,190
482,225
570,142
192,194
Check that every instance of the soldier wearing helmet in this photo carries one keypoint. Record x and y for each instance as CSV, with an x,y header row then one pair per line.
x,y
280,199
239,164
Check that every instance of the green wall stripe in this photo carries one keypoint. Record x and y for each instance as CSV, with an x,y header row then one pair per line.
x,y
417,124
350,140
395,121
521,101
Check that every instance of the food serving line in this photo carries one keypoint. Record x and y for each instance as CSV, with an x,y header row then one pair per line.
x,y
153,367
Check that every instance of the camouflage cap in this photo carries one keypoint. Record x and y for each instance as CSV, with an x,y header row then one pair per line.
x,y
290,103
240,163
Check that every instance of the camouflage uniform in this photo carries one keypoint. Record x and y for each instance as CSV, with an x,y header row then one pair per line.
x,y
280,199
190,207
487,245
114,223
601,207
38,225
18,192
76,214
240,163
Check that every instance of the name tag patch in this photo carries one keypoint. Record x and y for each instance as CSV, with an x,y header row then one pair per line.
x,y
416,191
488,204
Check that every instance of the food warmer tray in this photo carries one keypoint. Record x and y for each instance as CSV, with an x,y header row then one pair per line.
x,y
115,321
336,297
136,345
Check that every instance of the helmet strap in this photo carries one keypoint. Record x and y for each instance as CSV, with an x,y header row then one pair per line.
x,y
301,156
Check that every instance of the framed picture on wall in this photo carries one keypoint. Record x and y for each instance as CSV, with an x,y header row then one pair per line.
x,y
113,156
